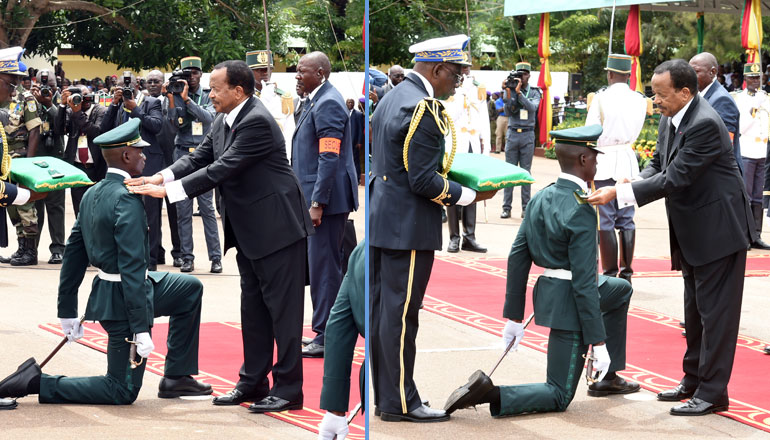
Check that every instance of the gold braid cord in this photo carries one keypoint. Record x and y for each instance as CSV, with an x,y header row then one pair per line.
x,y
444,123
5,165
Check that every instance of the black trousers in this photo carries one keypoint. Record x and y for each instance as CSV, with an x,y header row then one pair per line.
x,y
77,193
272,307
398,279
325,256
54,204
713,294
174,227
152,207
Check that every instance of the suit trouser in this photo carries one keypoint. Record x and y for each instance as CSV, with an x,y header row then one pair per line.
x,y
77,193
519,150
713,294
325,263
184,220
468,215
176,295
272,305
611,216
754,178
54,204
173,226
500,130
398,281
152,207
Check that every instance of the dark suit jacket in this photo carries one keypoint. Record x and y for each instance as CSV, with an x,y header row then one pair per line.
x,y
326,177
263,209
402,212
708,210
73,124
149,111
724,104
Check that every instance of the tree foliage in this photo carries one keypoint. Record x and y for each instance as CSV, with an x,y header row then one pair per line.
x,y
158,33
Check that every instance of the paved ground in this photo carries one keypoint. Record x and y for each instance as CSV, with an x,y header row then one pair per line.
x,y
29,299
448,352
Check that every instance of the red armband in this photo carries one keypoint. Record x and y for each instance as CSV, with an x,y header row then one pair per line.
x,y
329,145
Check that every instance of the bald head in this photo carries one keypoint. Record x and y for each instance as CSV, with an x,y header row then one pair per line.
x,y
705,66
155,82
319,60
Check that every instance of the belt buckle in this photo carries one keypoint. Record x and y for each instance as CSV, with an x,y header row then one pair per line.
x,y
518,130
191,149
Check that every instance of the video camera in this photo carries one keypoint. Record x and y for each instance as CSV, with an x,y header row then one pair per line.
x,y
513,79
175,85
128,90
78,98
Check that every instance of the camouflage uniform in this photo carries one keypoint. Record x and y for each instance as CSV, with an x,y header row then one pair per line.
x,y
22,119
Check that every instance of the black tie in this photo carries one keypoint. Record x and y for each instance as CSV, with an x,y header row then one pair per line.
x,y
671,133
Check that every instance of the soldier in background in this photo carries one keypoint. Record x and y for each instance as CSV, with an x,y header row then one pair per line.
x,y
278,102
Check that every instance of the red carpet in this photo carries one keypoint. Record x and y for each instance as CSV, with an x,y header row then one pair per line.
x,y
473,292
220,357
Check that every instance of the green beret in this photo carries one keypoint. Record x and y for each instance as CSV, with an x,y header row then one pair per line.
x,y
524,66
581,136
191,63
258,59
619,63
124,135
751,69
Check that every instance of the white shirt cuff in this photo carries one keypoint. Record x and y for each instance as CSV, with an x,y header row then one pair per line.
x,y
175,191
624,193
22,196
168,176
467,197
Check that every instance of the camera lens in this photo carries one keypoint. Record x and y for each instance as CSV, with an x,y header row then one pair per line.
x,y
77,99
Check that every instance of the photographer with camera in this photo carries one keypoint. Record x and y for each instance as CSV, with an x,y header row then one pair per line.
x,y
51,143
80,119
521,103
129,102
191,112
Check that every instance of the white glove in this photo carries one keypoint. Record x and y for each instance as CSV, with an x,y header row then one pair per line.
x,y
333,425
144,345
513,329
71,328
602,362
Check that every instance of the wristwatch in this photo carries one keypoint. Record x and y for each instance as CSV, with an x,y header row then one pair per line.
x,y
315,205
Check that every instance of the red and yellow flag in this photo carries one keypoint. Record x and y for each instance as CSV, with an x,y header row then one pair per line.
x,y
751,30
633,46
545,111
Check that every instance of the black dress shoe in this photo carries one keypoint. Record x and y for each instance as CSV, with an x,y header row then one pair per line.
x,y
767,349
759,244
506,213
378,413
235,397
178,262
443,215
422,414
55,258
307,341
313,350
187,266
184,386
470,244
469,394
16,384
675,394
681,324
697,407
454,246
273,404
618,385
8,404
5,260
216,266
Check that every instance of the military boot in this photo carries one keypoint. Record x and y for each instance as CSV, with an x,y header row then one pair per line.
x,y
608,250
756,209
627,242
29,257
16,254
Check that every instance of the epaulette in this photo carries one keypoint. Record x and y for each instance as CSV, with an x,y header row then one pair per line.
x,y
580,196
603,88
287,104
27,96
279,92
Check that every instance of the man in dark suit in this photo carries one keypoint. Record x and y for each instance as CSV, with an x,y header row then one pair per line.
x,y
82,123
148,110
705,66
322,158
694,169
264,217
407,189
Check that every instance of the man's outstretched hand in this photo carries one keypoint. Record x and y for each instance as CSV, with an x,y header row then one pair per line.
x,y
602,196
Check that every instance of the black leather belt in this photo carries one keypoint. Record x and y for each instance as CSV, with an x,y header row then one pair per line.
x,y
522,130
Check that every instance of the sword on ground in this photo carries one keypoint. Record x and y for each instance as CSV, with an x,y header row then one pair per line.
x,y
510,345
58,347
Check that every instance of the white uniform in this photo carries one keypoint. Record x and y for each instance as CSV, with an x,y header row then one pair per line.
x,y
470,117
621,112
282,109
755,122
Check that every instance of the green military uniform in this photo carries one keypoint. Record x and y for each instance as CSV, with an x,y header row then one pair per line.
x,y
346,322
110,233
559,233
23,119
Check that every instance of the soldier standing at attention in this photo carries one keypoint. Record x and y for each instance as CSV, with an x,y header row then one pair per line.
x,y
621,112
754,105
279,103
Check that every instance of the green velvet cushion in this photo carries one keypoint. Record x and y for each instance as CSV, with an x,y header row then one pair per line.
x,y
484,173
46,173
